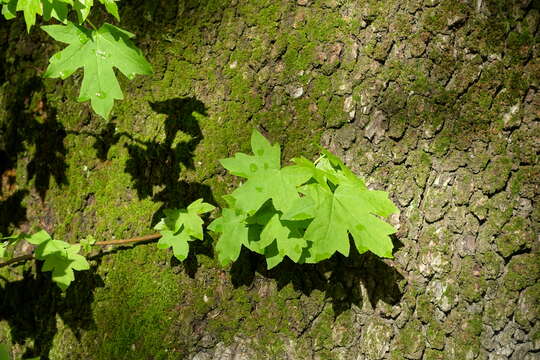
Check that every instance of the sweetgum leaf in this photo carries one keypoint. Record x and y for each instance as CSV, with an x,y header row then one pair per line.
x,y
98,52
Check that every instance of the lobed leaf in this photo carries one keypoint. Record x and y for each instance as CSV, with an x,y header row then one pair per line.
x,y
307,211
98,52
182,225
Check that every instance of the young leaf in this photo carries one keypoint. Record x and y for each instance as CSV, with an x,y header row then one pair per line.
x,y
280,185
3,249
234,233
87,243
30,8
57,9
98,52
283,239
60,257
266,157
62,263
182,225
9,9
82,8
111,7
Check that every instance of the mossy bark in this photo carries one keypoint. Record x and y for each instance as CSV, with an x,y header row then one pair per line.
x,y
436,102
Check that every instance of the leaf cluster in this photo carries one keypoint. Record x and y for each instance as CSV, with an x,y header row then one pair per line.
x,y
305,211
59,257
179,226
56,9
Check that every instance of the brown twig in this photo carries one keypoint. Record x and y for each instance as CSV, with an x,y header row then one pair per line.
x,y
17,260
27,257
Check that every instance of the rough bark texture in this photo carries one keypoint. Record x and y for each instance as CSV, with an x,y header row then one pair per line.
x,y
436,102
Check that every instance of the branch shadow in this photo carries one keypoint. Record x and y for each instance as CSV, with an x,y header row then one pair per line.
x,y
338,278
30,307
29,124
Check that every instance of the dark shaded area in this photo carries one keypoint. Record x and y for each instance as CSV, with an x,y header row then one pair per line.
x,y
29,122
338,277
30,307
158,163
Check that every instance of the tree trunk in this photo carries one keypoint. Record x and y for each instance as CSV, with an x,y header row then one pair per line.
x,y
436,102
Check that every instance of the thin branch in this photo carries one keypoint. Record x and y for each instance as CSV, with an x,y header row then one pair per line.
x,y
27,257
17,260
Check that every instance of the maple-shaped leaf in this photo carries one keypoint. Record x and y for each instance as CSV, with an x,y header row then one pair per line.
x,y
63,263
180,226
57,9
9,9
60,257
82,8
284,238
98,52
234,234
30,8
336,214
279,185
265,157
111,7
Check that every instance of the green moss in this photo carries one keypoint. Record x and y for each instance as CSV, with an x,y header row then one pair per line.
x,y
410,341
435,335
133,314
523,270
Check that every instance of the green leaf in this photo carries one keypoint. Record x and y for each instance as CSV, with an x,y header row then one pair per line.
x,y
279,185
9,9
60,257
180,226
348,210
234,233
87,243
3,249
82,8
62,263
30,8
266,157
98,52
284,238
111,7
178,241
306,212
39,238
57,9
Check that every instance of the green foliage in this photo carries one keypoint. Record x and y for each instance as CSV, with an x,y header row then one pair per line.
x,y
180,226
87,243
9,241
305,211
97,52
57,9
59,257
